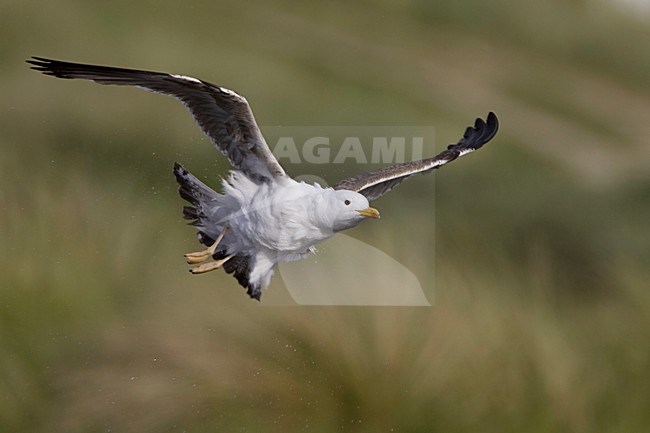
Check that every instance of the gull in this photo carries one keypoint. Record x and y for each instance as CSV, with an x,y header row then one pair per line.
x,y
262,216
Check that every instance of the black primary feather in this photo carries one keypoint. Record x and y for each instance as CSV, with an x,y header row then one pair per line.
x,y
374,184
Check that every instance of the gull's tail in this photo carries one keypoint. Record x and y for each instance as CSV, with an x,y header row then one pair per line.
x,y
209,216
202,198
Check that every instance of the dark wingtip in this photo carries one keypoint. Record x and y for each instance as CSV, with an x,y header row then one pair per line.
x,y
492,121
47,66
34,60
254,292
38,64
482,132
492,126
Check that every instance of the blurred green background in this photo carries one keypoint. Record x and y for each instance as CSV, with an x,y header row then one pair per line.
x,y
541,316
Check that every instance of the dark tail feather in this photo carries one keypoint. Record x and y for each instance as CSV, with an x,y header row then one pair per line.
x,y
189,213
196,193
239,267
199,195
192,189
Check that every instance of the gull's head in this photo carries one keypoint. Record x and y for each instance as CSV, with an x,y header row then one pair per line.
x,y
346,209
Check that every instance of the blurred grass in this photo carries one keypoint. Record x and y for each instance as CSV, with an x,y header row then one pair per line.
x,y
542,247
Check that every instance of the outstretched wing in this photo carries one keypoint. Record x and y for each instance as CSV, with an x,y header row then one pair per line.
x,y
222,114
374,184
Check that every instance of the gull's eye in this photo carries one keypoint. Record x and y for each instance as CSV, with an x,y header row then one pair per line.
x,y
347,202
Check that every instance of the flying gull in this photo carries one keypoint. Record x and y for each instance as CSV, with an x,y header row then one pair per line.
x,y
262,216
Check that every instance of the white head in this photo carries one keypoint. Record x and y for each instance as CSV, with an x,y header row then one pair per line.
x,y
342,209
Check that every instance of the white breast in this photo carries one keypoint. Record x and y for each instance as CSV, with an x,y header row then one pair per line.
x,y
277,217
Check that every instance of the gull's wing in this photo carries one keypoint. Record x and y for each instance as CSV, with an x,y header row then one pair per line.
x,y
222,114
374,184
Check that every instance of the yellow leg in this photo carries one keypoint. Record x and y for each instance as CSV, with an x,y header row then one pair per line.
x,y
202,256
207,267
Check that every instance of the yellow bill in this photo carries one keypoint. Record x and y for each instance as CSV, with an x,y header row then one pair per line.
x,y
370,212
